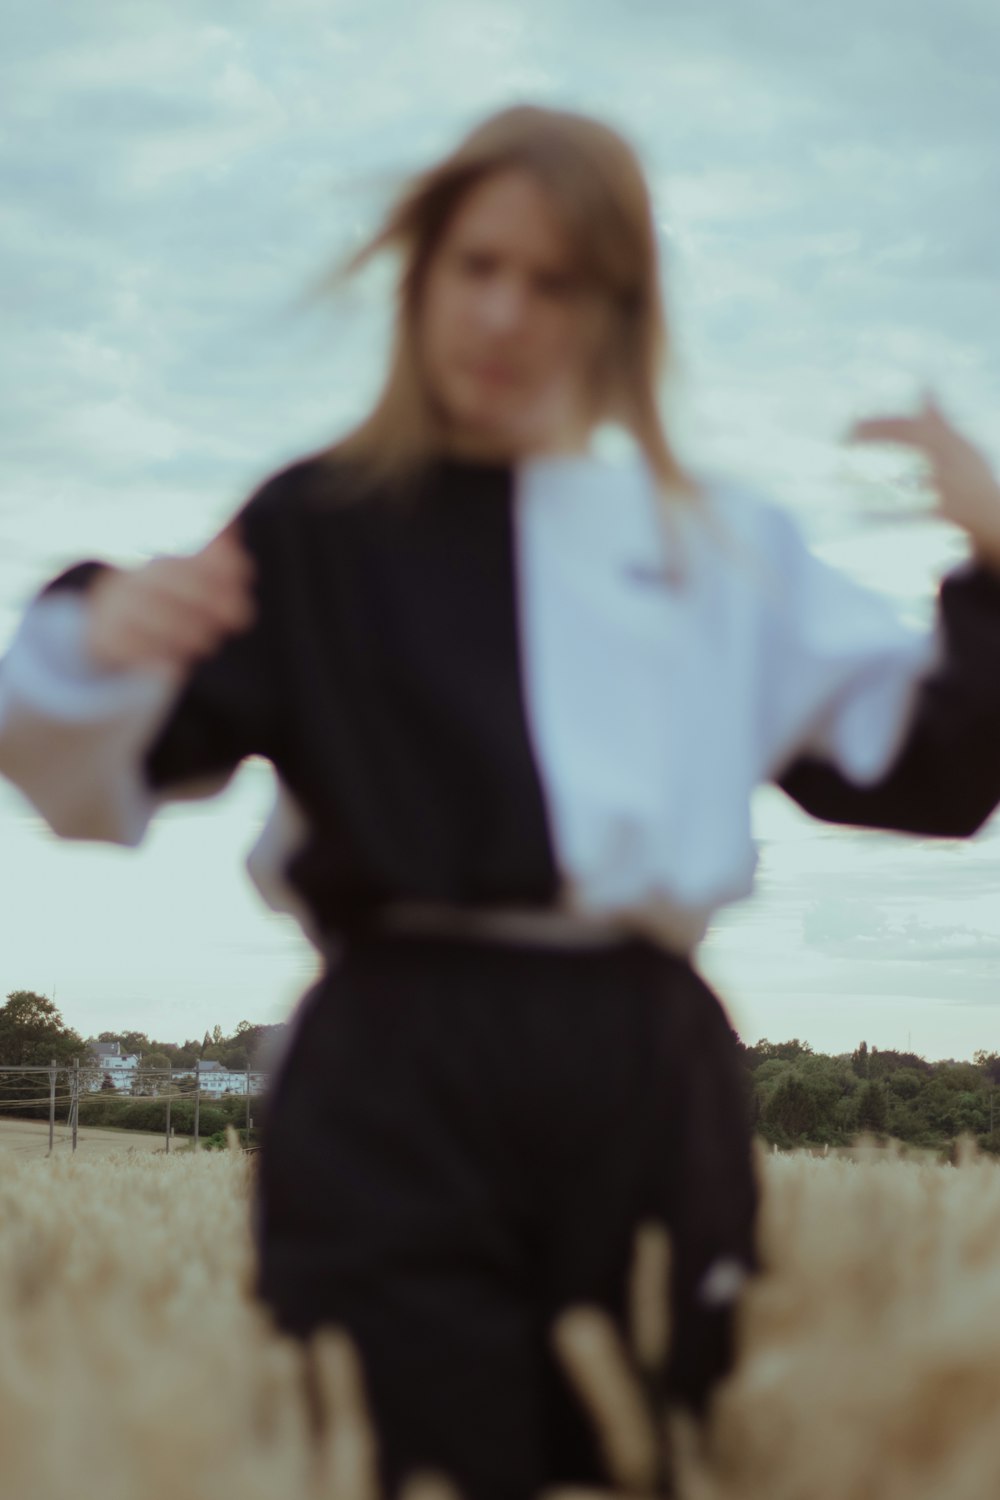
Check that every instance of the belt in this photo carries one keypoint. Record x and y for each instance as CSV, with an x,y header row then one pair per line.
x,y
545,927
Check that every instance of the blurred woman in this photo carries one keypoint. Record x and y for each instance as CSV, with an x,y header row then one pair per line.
x,y
518,697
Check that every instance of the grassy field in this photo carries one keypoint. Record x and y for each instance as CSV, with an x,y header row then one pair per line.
x,y
31,1138
134,1365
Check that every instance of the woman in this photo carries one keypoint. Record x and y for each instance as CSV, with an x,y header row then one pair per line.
x,y
518,698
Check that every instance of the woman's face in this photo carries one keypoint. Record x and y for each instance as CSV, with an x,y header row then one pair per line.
x,y
500,325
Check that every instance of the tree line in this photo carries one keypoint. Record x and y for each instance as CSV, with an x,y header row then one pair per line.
x,y
797,1097
33,1032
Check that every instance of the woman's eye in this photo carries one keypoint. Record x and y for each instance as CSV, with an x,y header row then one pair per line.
x,y
556,287
476,264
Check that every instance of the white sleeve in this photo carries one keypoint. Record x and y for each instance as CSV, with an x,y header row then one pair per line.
x,y
72,735
840,670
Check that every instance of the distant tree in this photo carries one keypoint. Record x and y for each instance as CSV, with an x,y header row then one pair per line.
x,y
989,1062
32,1032
905,1083
860,1061
886,1061
150,1079
939,1106
963,1077
764,1052
108,1084
872,1108
791,1109
832,1085
972,1112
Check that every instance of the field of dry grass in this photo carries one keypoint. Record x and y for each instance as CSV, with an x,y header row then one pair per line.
x,y
31,1138
132,1363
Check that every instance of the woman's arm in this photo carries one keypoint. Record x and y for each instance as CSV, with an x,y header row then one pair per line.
x,y
112,667
945,777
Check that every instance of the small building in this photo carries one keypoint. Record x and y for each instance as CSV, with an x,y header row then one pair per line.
x,y
108,1061
215,1080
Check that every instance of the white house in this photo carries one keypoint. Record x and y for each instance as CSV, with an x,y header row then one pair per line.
x,y
215,1080
109,1061
125,1070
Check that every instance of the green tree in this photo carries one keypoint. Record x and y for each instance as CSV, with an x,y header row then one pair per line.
x,y
872,1108
791,1110
32,1032
963,1077
938,1105
989,1062
765,1052
905,1083
147,1078
886,1062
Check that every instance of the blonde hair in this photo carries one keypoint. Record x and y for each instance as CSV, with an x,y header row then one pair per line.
x,y
597,186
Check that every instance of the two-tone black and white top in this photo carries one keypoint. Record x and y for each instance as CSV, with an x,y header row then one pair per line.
x,y
513,693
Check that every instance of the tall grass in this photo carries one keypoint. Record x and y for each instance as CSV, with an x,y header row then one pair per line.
x,y
133,1362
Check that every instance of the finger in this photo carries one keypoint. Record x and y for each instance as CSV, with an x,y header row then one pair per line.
x,y
167,599
160,628
134,645
227,554
229,579
217,599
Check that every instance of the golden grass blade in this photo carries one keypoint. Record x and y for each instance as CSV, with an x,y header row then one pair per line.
x,y
348,1452
649,1297
594,1357
429,1487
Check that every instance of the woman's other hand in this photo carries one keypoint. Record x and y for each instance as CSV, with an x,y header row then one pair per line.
x,y
173,611
966,488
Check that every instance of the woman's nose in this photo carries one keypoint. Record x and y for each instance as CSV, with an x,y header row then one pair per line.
x,y
503,305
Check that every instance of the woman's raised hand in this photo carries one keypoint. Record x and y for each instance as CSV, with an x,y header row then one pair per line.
x,y
966,488
173,611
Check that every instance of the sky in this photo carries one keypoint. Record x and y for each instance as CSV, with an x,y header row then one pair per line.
x,y
175,179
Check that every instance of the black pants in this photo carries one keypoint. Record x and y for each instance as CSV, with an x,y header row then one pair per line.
x,y
462,1142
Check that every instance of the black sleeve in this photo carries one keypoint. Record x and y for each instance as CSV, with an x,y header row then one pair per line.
x,y
226,710
945,780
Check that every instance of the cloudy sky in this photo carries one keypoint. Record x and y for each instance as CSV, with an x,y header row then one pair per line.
x,y
174,177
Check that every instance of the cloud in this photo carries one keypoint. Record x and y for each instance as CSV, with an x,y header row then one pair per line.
x,y
852,928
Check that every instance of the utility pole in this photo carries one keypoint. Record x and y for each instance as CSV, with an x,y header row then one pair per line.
x,y
248,1104
197,1099
74,1105
170,1089
52,1105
